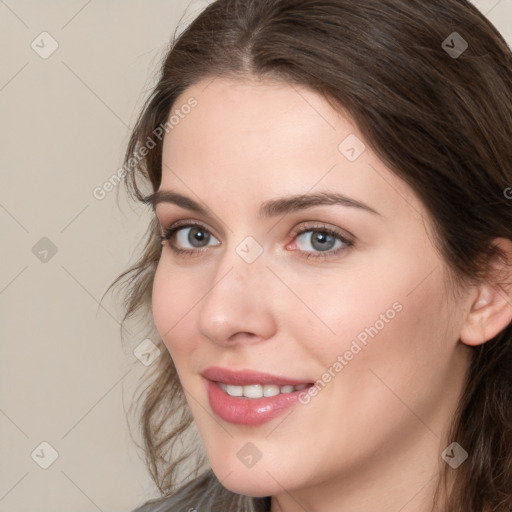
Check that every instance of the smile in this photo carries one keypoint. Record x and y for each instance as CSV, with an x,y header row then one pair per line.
x,y
259,390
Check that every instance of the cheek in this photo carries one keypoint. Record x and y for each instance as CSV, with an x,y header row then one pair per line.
x,y
350,306
173,297
380,319
389,356
396,345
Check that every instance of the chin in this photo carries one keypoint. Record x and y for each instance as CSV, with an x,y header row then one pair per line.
x,y
254,489
249,481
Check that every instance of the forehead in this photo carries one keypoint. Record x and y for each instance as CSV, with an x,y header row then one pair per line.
x,y
267,138
264,110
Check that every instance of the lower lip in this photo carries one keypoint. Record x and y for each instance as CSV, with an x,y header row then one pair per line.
x,y
249,411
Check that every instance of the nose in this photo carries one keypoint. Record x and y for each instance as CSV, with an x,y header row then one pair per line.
x,y
236,308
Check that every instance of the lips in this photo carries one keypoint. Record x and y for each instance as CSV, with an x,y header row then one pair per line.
x,y
247,410
248,377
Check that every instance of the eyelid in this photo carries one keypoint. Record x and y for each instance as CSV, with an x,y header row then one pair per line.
x,y
165,219
318,226
186,223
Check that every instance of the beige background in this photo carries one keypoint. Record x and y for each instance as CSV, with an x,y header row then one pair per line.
x,y
65,377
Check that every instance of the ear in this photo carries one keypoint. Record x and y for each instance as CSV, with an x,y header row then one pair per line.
x,y
491,308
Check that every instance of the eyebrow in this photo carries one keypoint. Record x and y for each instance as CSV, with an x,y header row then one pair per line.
x,y
270,208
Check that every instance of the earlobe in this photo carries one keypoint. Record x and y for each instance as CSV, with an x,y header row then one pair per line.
x,y
491,310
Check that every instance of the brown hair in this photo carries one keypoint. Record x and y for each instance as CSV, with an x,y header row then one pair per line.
x,y
441,122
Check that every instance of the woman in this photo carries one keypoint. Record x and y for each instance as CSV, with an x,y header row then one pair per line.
x,y
329,264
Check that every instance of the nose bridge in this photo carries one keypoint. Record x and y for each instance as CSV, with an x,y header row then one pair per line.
x,y
242,267
237,299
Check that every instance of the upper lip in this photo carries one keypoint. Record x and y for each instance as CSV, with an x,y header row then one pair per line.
x,y
247,377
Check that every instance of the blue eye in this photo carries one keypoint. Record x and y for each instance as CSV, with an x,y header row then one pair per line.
x,y
320,240
194,234
197,236
325,242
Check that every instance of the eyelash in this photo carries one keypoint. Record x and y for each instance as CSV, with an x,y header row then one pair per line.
x,y
169,233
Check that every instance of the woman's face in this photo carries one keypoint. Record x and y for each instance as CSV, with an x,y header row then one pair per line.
x,y
349,294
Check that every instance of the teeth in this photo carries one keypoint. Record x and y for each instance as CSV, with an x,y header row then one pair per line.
x,y
258,390
270,390
252,391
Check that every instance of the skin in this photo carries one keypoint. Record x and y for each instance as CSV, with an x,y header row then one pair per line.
x,y
372,437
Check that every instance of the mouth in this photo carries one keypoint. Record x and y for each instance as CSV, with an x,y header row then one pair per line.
x,y
247,397
260,390
249,378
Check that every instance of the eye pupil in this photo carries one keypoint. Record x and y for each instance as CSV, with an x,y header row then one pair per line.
x,y
196,236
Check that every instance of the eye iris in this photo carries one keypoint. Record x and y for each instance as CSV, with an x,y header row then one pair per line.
x,y
322,239
196,236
